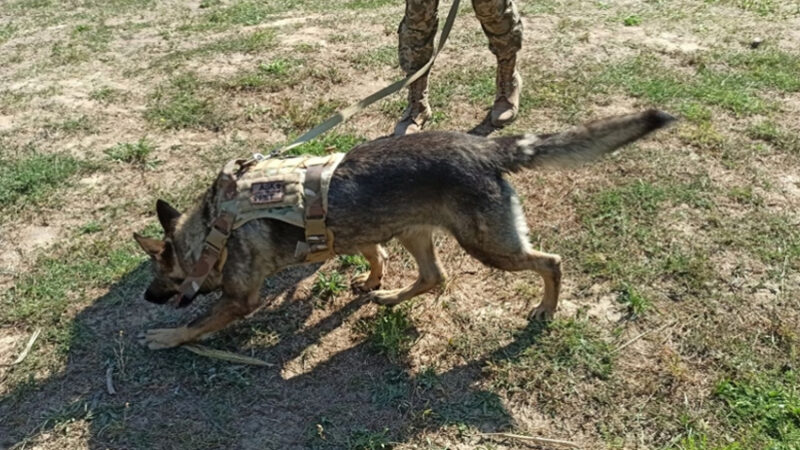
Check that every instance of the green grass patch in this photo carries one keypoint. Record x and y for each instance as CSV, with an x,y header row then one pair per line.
x,y
358,263
32,178
43,296
767,68
76,125
369,440
769,132
274,76
564,353
249,43
761,7
764,409
245,13
384,56
7,31
367,4
136,153
624,242
294,119
183,104
390,333
105,95
329,143
644,76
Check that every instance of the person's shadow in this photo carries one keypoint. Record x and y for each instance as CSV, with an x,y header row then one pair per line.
x,y
175,399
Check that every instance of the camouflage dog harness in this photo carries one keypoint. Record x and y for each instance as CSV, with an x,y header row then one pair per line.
x,y
292,190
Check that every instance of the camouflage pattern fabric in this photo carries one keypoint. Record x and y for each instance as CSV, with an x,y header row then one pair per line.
x,y
499,19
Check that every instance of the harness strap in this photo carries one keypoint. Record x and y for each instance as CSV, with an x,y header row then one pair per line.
x,y
213,246
319,242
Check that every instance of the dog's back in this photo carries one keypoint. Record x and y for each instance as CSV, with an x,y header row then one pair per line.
x,y
455,180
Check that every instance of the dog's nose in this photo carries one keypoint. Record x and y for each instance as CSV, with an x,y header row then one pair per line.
x,y
152,297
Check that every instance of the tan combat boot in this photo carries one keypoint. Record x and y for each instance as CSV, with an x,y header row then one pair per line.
x,y
506,101
418,111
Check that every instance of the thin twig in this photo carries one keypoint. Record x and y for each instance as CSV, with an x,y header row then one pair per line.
x,y
641,335
536,439
110,381
27,349
226,356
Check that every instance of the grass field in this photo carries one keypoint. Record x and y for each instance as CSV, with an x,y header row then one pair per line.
x,y
679,326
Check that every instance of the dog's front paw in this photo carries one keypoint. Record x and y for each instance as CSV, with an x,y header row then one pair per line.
x,y
542,313
364,283
160,338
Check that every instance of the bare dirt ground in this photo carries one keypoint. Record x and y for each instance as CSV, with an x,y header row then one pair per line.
x,y
679,320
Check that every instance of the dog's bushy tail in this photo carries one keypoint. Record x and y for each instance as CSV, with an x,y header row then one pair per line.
x,y
579,145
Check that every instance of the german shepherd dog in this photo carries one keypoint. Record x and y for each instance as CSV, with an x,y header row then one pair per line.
x,y
396,187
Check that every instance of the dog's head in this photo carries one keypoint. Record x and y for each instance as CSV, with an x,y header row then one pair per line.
x,y
172,258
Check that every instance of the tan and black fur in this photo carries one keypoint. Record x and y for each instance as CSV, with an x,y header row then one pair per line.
x,y
397,187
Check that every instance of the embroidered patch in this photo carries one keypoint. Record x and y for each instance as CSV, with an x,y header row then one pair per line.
x,y
270,192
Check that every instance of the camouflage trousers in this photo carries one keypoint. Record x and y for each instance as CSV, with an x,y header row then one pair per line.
x,y
499,19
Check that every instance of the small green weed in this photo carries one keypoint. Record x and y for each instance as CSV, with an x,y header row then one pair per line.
x,y
328,285
636,303
136,153
632,21
390,333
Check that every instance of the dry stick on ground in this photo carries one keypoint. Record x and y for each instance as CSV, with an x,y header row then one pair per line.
x,y
641,335
27,350
534,439
109,381
226,356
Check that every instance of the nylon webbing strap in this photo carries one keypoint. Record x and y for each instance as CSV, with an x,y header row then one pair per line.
x,y
317,236
212,247
353,109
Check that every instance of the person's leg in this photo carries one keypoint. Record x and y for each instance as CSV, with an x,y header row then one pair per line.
x,y
415,36
502,25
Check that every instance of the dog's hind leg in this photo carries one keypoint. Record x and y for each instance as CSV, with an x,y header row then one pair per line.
x,y
419,242
498,237
371,280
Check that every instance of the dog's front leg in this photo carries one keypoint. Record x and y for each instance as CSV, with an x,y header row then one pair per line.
x,y
228,309
375,256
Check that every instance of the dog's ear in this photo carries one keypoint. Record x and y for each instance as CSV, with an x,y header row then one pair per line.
x,y
152,247
167,215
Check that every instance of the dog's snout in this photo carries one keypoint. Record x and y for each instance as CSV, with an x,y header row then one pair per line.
x,y
157,298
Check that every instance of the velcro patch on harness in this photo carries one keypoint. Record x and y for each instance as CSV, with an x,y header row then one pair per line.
x,y
267,192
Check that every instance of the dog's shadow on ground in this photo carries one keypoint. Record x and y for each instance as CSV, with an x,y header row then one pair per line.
x,y
175,399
